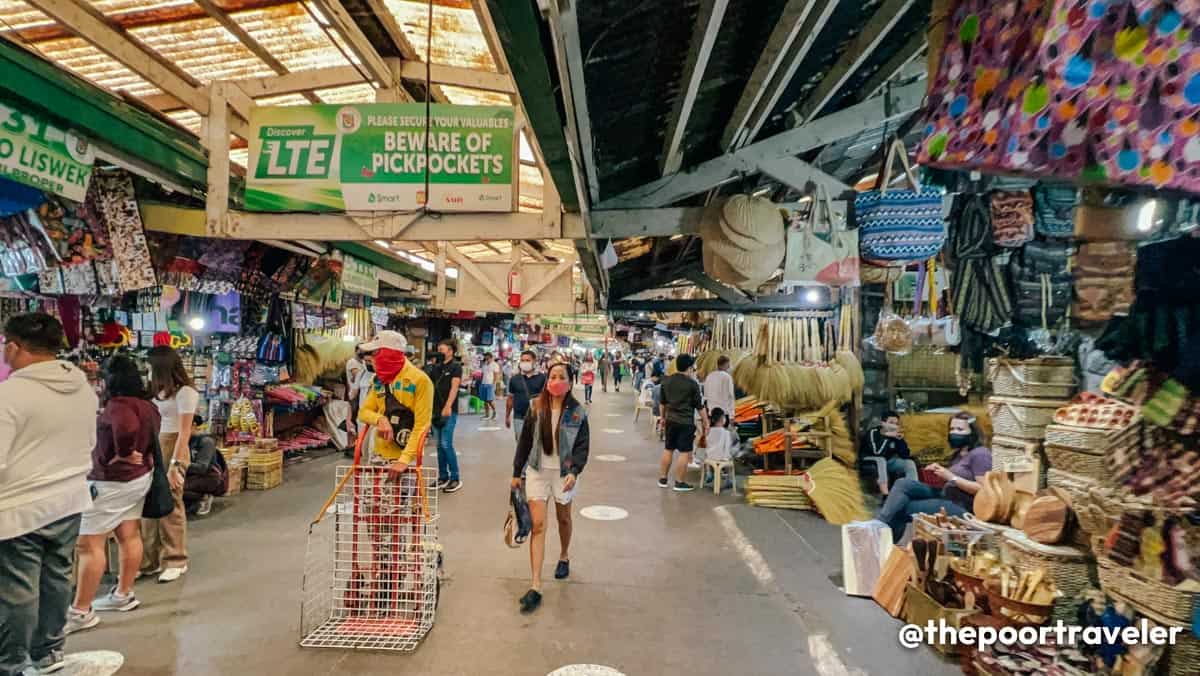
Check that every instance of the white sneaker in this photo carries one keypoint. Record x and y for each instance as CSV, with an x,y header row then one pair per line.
x,y
171,574
78,620
205,506
114,601
148,573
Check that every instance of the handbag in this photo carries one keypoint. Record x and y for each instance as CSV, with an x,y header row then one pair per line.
x,y
1054,210
159,499
899,224
519,523
809,257
1012,218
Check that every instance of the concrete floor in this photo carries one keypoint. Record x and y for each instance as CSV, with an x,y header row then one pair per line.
x,y
675,588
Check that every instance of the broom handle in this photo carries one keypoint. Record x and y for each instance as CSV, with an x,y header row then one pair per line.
x,y
362,434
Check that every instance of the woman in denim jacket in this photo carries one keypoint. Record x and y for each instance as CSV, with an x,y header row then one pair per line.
x,y
551,454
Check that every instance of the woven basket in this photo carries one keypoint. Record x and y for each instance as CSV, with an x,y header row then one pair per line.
x,y
1047,378
964,530
1022,418
1148,596
1183,658
1014,455
1094,440
924,366
1069,567
264,471
1089,463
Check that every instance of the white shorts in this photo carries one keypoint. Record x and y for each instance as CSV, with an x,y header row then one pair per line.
x,y
546,482
115,502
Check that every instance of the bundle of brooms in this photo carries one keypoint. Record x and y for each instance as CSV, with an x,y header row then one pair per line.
x,y
794,367
828,487
732,336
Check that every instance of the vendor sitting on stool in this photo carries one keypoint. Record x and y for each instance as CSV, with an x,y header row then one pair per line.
x,y
968,464
885,441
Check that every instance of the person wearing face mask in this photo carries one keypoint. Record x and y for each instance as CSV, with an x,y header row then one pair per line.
x,y
551,454
394,379
968,463
524,386
446,377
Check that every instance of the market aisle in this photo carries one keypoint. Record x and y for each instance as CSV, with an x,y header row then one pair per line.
x,y
664,591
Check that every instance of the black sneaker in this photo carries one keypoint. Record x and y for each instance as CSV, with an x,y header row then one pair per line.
x,y
683,487
452,486
562,570
663,483
442,483
530,601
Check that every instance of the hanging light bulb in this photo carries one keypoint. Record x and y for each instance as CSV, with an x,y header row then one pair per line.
x,y
196,323
1145,217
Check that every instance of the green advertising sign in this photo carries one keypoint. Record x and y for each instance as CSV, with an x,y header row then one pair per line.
x,y
378,157
40,155
359,276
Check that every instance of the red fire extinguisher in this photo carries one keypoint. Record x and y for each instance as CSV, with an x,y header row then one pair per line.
x,y
514,288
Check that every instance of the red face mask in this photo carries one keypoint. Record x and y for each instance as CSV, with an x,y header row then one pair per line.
x,y
388,364
558,388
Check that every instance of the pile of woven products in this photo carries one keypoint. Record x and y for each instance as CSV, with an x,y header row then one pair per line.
x,y
743,241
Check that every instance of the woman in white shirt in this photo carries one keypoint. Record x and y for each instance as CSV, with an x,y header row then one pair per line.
x,y
165,539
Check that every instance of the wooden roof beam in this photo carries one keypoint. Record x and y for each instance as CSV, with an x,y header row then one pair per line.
x,y
305,81
747,161
704,36
897,66
339,21
133,54
855,55
156,16
254,46
788,46
773,57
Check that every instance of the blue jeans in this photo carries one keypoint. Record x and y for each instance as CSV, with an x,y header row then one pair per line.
x,y
587,393
35,593
908,497
447,458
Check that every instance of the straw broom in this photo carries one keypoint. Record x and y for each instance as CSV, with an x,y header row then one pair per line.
x,y
834,491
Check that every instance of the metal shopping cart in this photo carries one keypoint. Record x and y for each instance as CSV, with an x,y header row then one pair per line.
x,y
371,573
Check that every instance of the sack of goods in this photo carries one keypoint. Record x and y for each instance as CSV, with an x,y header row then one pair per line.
x,y
743,241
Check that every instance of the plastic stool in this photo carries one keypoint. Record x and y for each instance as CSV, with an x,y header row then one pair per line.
x,y
717,466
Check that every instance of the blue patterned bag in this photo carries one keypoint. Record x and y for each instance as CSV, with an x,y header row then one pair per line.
x,y
899,225
1054,210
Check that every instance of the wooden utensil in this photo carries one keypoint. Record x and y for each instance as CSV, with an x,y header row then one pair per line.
x,y
986,500
898,569
1005,492
1021,501
1046,519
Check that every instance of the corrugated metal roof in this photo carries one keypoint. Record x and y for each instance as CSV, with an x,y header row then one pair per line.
x,y
635,52
184,34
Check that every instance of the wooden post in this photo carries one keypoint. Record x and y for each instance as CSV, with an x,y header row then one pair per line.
x,y
439,294
216,203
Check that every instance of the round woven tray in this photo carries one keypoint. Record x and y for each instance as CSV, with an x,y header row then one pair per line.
x,y
1149,596
1069,567
1049,377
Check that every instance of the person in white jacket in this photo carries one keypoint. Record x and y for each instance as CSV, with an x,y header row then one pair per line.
x,y
47,432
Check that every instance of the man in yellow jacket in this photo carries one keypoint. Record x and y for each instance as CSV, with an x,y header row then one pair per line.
x,y
410,387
